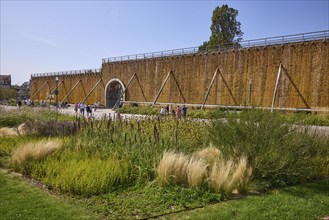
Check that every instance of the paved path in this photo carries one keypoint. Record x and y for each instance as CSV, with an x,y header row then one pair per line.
x,y
320,130
99,113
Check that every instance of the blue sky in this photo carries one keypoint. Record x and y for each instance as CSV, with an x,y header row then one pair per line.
x,y
50,36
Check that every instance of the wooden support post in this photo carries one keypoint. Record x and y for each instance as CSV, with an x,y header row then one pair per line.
x,y
140,86
32,85
39,90
131,78
71,90
276,86
53,91
180,91
212,81
163,84
250,89
228,88
95,86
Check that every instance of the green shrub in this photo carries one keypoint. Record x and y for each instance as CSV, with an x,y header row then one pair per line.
x,y
278,152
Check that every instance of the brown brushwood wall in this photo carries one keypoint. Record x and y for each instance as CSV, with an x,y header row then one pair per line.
x,y
304,81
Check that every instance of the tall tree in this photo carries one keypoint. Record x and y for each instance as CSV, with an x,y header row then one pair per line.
x,y
225,29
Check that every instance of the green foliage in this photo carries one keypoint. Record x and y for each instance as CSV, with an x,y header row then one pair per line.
x,y
142,110
7,93
141,142
106,154
279,152
306,118
74,173
224,28
11,118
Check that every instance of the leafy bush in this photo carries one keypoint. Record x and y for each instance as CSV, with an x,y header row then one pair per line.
x,y
279,152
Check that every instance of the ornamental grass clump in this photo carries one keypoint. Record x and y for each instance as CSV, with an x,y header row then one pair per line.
x,y
172,168
82,176
205,167
196,172
279,152
25,154
8,132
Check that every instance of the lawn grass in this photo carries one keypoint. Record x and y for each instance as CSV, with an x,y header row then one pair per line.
x,y
22,200
310,201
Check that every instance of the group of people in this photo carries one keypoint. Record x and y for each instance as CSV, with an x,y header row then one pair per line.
x,y
179,113
82,108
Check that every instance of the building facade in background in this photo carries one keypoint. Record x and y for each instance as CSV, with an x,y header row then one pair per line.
x,y
5,81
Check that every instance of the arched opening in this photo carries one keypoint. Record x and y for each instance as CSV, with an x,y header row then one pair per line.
x,y
113,91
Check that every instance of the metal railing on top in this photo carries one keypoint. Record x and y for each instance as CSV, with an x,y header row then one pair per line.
x,y
72,72
311,36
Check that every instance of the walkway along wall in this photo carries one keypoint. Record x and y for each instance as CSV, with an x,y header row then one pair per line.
x,y
303,82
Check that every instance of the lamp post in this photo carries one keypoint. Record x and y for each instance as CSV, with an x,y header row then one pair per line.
x,y
56,93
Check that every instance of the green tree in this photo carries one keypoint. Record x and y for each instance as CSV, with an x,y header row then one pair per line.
x,y
225,29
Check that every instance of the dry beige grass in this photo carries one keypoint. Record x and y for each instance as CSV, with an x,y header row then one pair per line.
x,y
196,171
8,132
210,154
220,174
241,176
180,168
165,167
205,166
34,151
21,129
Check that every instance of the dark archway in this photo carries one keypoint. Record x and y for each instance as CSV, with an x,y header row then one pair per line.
x,y
114,89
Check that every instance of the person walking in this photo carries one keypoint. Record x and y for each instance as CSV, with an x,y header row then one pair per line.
x,y
76,106
162,112
167,110
82,109
184,110
19,103
179,112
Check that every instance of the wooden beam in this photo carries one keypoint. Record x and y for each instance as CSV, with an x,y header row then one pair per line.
x,y
163,84
211,83
250,90
140,86
228,88
276,86
53,91
180,91
131,78
71,90
32,85
40,89
99,81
